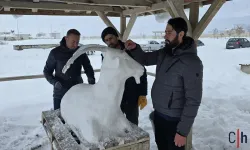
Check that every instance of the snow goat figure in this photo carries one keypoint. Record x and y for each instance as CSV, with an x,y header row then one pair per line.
x,y
93,111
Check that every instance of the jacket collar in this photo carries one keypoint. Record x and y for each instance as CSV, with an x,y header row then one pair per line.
x,y
64,46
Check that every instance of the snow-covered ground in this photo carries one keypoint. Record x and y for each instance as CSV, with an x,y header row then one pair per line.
x,y
225,105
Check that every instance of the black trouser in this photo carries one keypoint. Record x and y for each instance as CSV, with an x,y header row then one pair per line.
x,y
57,97
131,112
165,132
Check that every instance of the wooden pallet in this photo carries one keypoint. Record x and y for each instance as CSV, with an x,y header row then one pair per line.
x,y
63,138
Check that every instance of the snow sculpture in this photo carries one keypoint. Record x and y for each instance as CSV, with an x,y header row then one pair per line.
x,y
93,111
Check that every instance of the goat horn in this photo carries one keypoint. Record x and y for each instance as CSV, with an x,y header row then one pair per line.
x,y
83,49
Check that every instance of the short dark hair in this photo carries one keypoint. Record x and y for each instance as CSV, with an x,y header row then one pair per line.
x,y
73,31
108,30
179,24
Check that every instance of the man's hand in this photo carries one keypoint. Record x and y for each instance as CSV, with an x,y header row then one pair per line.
x,y
179,140
142,102
58,85
130,45
91,81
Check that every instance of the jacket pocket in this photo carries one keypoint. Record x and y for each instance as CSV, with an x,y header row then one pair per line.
x,y
170,100
178,99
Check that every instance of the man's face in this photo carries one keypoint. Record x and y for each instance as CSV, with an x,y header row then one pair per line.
x,y
111,40
72,41
172,38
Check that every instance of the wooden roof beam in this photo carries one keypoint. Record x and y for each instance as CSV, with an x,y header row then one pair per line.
x,y
194,1
55,6
6,8
52,12
208,16
157,6
154,7
194,14
130,3
177,8
107,22
129,27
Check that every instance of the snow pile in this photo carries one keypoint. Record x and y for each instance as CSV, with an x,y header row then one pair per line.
x,y
93,111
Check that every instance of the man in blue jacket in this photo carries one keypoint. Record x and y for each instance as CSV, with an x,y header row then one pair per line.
x,y
56,60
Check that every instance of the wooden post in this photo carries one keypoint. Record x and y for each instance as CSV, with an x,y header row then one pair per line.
x,y
194,14
129,27
208,16
107,21
169,10
189,140
122,24
177,9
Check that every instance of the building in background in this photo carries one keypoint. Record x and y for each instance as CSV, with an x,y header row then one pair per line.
x,y
55,35
23,36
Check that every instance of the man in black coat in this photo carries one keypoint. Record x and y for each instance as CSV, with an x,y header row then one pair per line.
x,y
56,60
134,95
177,90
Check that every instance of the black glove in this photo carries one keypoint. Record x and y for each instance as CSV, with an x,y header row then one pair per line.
x,y
58,85
91,81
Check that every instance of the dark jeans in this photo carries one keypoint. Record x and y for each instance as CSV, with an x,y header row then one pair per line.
x,y
165,132
57,96
131,112
57,103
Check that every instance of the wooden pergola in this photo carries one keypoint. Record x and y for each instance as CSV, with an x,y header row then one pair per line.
x,y
116,8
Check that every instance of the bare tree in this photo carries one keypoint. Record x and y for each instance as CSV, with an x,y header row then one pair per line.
x,y
239,30
230,32
248,29
222,34
215,32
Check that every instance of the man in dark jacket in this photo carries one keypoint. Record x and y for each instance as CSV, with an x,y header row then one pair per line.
x,y
57,58
177,90
134,95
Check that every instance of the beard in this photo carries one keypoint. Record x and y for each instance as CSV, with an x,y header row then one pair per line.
x,y
170,45
112,45
173,43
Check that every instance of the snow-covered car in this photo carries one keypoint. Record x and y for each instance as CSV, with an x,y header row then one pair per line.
x,y
233,43
3,43
151,46
200,43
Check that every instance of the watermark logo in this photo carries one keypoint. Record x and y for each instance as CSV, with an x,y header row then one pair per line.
x,y
239,138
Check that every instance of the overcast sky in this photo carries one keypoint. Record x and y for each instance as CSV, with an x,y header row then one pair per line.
x,y
94,25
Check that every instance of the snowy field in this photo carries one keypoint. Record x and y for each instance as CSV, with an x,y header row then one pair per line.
x,y
225,105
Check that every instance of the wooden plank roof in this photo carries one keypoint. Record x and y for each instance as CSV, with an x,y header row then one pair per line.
x,y
111,8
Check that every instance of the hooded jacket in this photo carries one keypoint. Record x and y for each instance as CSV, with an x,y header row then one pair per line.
x,y
177,89
56,60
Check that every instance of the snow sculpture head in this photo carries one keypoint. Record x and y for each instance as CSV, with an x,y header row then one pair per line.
x,y
117,62
93,111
